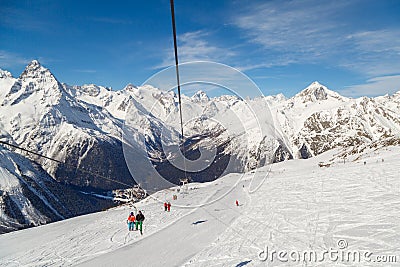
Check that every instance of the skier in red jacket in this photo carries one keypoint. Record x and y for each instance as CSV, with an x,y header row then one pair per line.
x,y
165,206
169,206
131,222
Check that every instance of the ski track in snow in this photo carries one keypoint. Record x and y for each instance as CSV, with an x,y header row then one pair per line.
x,y
312,210
299,207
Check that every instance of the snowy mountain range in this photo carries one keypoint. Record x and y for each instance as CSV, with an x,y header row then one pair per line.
x,y
82,128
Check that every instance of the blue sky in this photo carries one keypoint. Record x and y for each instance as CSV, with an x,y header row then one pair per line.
x,y
352,47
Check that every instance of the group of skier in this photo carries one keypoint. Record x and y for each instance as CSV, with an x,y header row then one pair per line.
x,y
167,206
135,221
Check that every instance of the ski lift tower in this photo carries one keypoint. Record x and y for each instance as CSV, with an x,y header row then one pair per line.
x,y
184,185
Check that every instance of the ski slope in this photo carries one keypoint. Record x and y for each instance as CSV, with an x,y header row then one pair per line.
x,y
299,206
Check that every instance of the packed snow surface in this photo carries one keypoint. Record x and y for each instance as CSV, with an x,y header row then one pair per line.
x,y
299,206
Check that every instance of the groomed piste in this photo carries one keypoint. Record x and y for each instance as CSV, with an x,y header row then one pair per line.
x,y
299,206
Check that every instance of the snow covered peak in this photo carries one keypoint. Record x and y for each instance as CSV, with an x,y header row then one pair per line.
x,y
90,89
5,74
130,87
6,82
200,96
279,98
35,70
315,84
316,92
33,64
35,85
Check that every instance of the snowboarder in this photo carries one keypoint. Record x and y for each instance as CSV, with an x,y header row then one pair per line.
x,y
165,206
131,222
237,203
139,221
169,206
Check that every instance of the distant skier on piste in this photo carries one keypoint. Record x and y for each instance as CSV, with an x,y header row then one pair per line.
x,y
169,206
139,221
131,222
237,203
165,206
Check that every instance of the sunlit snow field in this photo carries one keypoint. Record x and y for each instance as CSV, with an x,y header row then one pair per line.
x,y
298,207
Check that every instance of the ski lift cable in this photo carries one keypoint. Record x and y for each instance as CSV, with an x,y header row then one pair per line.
x,y
178,82
176,64
64,163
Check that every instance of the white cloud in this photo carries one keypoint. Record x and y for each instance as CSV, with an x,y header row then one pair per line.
x,y
26,20
111,20
85,70
268,64
9,59
303,30
193,46
374,87
386,40
204,74
12,60
376,53
312,32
